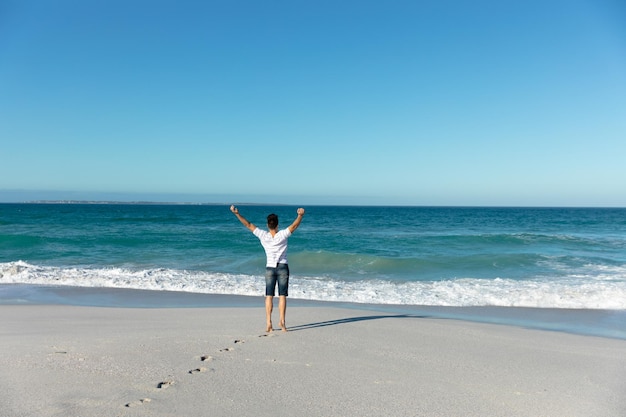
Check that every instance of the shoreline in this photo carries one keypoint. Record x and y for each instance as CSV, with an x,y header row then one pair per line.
x,y
601,323
122,362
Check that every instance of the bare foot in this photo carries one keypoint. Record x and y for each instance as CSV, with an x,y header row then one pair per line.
x,y
269,328
282,326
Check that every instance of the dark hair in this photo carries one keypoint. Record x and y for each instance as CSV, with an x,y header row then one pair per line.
x,y
272,221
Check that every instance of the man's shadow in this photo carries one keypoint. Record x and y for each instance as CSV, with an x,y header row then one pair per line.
x,y
353,320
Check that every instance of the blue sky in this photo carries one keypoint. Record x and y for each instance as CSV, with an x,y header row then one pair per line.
x,y
315,102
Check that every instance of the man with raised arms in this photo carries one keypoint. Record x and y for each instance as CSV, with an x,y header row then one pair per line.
x,y
274,242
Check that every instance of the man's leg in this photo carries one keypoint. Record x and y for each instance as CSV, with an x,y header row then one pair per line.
x,y
269,306
270,287
282,308
283,287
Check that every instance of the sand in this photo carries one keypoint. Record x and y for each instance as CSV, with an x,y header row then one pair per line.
x,y
59,360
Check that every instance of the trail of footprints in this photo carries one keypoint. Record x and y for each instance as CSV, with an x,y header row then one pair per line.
x,y
169,382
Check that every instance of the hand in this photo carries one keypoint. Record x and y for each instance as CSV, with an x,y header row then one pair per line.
x,y
300,212
234,209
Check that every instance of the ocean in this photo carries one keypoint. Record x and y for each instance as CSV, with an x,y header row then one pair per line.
x,y
455,257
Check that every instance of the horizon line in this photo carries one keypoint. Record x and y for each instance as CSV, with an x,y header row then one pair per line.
x,y
189,203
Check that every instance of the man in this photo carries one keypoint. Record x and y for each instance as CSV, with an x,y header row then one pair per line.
x,y
276,268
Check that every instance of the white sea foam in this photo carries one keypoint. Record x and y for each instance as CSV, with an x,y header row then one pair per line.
x,y
601,290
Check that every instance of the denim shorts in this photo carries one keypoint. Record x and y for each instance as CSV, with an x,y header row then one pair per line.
x,y
279,274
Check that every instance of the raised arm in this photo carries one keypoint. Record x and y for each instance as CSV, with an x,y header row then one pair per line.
x,y
242,219
293,226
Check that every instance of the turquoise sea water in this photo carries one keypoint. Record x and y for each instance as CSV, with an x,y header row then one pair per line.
x,y
416,256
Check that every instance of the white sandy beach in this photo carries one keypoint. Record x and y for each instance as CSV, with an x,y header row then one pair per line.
x,y
94,361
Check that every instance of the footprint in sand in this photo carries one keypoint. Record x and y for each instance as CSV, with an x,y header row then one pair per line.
x,y
138,402
206,358
165,384
197,370
230,349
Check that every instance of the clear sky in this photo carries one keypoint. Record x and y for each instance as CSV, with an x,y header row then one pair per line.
x,y
434,102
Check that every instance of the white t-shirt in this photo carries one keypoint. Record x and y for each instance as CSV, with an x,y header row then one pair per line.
x,y
275,246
